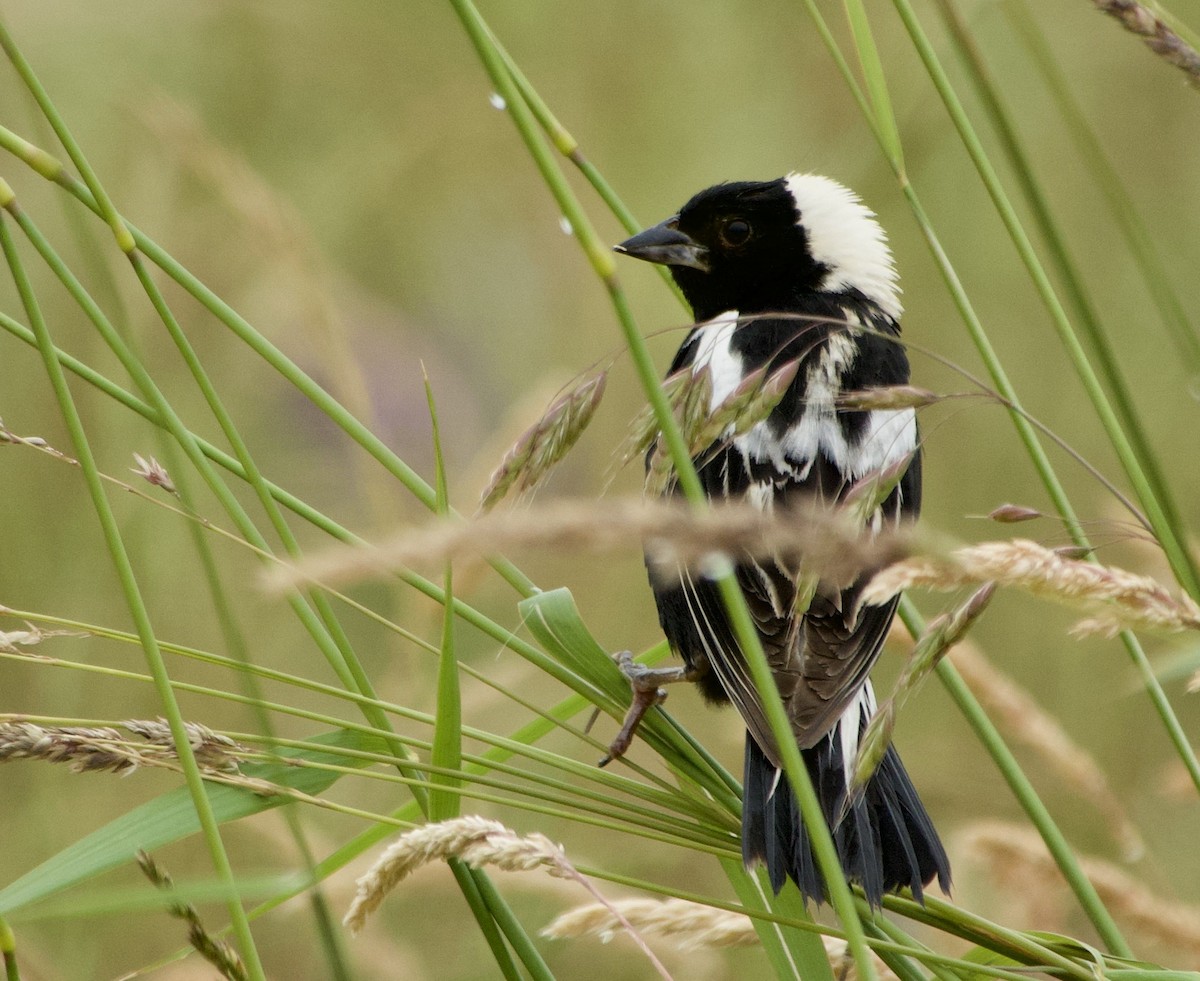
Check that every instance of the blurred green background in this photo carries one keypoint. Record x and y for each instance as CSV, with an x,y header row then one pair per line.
x,y
336,172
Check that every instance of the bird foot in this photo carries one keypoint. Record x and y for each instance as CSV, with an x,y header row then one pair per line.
x,y
646,684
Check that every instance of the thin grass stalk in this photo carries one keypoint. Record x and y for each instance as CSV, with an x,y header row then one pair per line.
x,y
327,633
46,165
506,638
1024,948
1140,243
654,825
8,950
340,656
887,130
787,960
1042,465
549,718
129,584
446,750
975,930
334,643
1029,438
104,204
822,28
488,925
689,482
677,825
1085,893
881,928
234,639
1015,944
317,519
468,614
1133,646
493,904
365,840
1168,534
566,144
995,745
522,944
1124,409
247,527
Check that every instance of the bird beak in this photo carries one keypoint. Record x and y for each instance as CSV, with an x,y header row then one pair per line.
x,y
666,244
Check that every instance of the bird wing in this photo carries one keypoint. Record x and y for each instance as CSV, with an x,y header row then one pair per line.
x,y
820,658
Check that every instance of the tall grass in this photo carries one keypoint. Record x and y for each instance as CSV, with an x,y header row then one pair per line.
x,y
444,699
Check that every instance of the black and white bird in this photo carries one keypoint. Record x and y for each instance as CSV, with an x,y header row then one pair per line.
x,y
799,268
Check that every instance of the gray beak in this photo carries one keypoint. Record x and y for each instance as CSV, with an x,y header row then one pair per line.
x,y
667,245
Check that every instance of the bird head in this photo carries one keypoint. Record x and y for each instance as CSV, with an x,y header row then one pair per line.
x,y
757,246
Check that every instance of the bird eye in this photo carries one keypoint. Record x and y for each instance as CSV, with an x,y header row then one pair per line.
x,y
736,232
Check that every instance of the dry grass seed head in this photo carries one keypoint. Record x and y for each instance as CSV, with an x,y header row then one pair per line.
x,y
1114,598
1139,19
104,749
83,749
546,442
644,429
473,839
1007,514
888,397
940,635
820,539
691,926
218,953
153,472
212,750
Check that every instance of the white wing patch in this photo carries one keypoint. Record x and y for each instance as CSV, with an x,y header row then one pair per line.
x,y
889,436
844,236
858,711
713,350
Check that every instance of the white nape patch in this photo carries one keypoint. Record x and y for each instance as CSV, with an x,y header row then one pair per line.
x,y
844,236
712,349
862,708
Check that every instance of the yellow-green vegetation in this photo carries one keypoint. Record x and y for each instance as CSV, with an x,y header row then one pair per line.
x,y
249,247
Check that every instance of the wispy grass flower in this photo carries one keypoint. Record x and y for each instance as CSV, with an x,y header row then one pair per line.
x,y
546,442
1114,598
218,953
824,540
91,749
692,926
1139,19
940,635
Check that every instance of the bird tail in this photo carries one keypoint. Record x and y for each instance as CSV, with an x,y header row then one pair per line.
x,y
885,840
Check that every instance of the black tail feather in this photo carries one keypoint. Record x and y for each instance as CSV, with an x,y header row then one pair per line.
x,y
884,838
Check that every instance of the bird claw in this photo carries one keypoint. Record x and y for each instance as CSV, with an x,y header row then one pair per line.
x,y
645,683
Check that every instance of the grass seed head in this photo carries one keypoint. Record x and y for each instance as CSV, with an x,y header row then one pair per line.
x,y
473,839
888,397
546,442
1008,514
153,472
218,953
1114,598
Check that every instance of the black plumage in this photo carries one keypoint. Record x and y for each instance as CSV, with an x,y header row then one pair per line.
x,y
797,268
